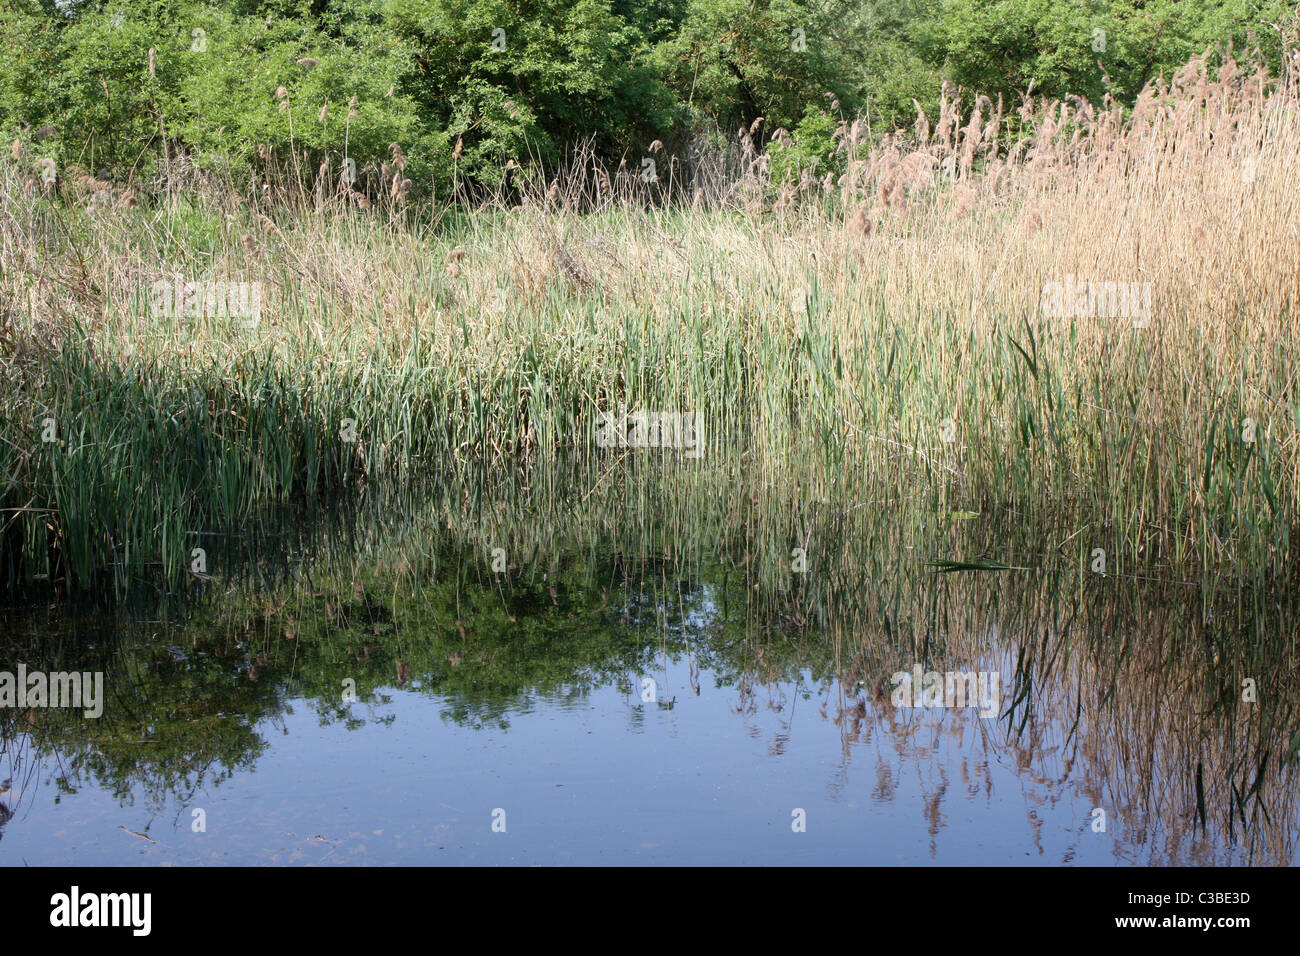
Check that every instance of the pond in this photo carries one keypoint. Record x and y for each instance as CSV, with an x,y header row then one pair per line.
x,y
630,668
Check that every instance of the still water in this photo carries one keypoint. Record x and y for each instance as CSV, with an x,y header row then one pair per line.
x,y
648,687
582,777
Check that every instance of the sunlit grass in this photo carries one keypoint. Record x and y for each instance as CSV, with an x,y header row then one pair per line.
x,y
881,338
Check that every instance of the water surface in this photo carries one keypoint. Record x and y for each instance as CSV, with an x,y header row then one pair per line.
x,y
509,717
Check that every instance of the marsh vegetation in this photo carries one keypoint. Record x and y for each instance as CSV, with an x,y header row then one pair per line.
x,y
392,476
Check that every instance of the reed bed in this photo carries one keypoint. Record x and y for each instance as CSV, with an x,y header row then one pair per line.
x,y
884,336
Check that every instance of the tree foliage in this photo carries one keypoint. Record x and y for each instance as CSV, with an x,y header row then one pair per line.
x,y
470,87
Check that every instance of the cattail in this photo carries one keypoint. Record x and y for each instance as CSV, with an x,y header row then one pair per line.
x,y
324,112
16,150
153,62
352,109
460,146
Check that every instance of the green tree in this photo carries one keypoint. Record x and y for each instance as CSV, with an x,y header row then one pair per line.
x,y
735,60
1061,48
509,78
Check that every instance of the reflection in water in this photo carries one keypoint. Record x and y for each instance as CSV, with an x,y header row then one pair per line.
x,y
369,665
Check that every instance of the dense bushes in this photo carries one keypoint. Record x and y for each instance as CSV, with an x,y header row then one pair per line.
x,y
469,87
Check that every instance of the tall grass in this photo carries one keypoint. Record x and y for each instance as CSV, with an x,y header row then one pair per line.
x,y
880,337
